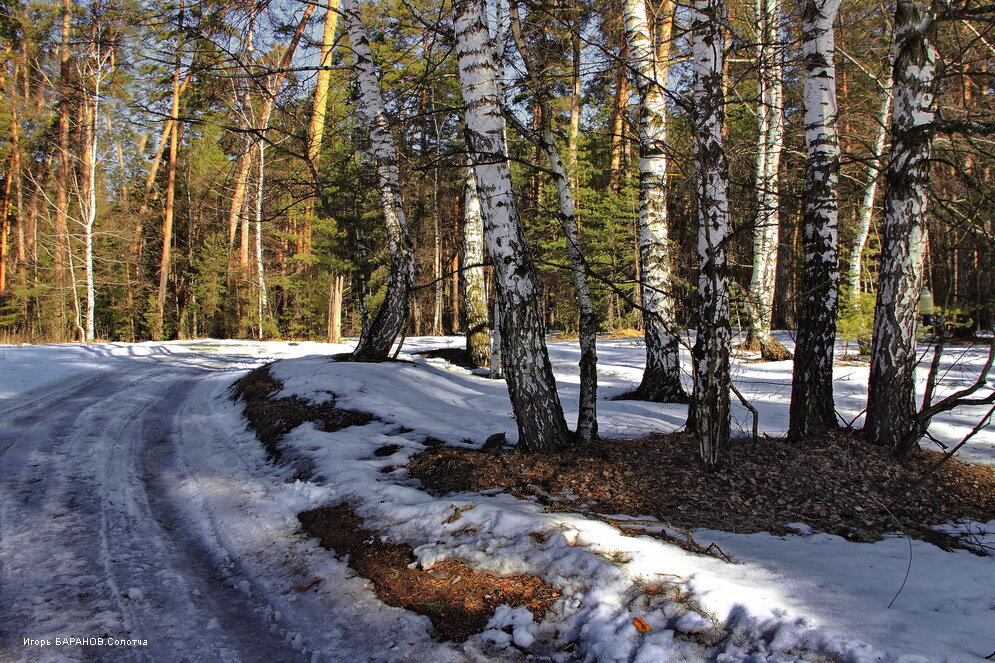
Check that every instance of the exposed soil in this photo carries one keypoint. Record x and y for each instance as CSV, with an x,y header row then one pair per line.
x,y
457,599
457,356
837,484
272,418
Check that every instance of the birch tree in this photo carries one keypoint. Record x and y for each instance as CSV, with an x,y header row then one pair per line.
x,y
94,68
376,341
531,386
866,209
587,418
478,336
710,414
661,380
812,409
770,141
891,406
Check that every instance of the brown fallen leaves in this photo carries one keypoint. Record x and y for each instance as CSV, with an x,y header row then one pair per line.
x,y
836,483
456,598
272,418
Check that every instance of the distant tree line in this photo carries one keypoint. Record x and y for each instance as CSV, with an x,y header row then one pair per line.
x,y
384,169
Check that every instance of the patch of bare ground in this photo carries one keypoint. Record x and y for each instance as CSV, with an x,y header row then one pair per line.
x,y
272,418
836,483
458,600
456,356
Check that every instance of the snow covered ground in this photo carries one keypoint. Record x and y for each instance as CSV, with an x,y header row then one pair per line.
x,y
137,510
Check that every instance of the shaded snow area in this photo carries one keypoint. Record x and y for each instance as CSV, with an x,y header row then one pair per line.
x,y
137,509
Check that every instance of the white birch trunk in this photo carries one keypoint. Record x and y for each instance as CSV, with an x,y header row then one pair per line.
x,y
587,417
770,141
375,342
497,367
812,409
891,406
478,342
661,380
262,299
866,211
710,416
531,386
90,212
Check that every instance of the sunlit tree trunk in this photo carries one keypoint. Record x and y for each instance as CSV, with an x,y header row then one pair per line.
x,y
335,292
478,336
587,418
5,225
661,380
866,210
316,129
770,141
236,207
167,220
812,409
891,406
262,299
618,137
531,386
93,70
710,411
573,129
61,252
376,341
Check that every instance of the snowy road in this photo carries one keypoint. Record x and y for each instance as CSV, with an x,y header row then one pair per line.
x,y
93,540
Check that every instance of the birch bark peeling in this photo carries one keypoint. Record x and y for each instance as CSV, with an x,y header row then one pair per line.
x,y
812,409
770,141
891,406
531,386
661,380
710,416
376,340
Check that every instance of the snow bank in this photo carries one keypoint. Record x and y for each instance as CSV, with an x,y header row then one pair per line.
x,y
784,599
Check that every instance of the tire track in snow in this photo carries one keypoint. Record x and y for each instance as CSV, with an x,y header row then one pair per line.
x,y
81,550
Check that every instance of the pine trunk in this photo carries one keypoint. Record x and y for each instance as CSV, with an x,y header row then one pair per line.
x,y
891,406
335,291
812,409
661,380
616,166
770,141
61,252
376,341
712,383
478,336
5,226
531,386
319,112
167,220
